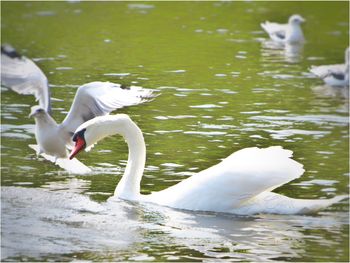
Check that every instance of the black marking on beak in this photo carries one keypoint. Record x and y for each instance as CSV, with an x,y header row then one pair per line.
x,y
80,134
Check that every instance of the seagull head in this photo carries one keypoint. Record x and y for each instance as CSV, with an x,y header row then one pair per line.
x,y
37,111
296,20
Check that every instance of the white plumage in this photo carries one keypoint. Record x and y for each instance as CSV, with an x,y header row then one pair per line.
x,y
240,184
23,76
285,33
93,99
334,75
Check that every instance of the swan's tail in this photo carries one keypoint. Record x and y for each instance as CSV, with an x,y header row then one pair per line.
x,y
313,206
272,203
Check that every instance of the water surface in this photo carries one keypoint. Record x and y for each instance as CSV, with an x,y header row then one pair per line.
x,y
223,88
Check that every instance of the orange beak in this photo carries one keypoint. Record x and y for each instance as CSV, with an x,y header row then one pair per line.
x,y
79,145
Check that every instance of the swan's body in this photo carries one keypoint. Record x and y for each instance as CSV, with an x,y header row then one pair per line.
x,y
334,75
240,184
93,99
285,33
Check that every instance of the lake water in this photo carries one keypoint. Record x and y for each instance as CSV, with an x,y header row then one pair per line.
x,y
223,88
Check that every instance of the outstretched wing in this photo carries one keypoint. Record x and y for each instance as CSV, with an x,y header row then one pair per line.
x,y
238,178
100,98
23,76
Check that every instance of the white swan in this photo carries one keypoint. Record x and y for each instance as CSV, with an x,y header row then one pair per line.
x,y
334,75
91,100
240,184
285,33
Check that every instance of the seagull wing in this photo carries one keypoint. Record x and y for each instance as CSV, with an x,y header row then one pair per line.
x,y
100,98
326,70
276,31
23,76
271,27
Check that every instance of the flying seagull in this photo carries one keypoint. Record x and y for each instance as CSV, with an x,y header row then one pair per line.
x,y
92,99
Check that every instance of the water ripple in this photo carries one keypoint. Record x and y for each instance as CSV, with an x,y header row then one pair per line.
x,y
283,134
205,106
317,119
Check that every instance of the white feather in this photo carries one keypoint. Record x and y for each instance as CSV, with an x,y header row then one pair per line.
x,y
334,75
285,33
91,100
24,77
240,184
71,166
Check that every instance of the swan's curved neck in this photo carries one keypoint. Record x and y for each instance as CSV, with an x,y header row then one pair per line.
x,y
129,185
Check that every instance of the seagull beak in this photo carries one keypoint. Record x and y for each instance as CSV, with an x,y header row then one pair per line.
x,y
79,145
303,20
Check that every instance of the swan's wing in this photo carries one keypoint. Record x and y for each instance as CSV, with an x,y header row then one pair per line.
x,y
100,98
235,180
23,76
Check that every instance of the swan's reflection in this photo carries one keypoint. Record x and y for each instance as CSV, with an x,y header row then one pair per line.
x,y
262,237
41,222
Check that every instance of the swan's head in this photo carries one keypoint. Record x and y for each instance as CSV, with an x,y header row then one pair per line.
x,y
96,129
296,20
37,112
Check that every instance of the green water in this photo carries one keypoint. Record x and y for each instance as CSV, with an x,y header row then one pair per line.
x,y
221,90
